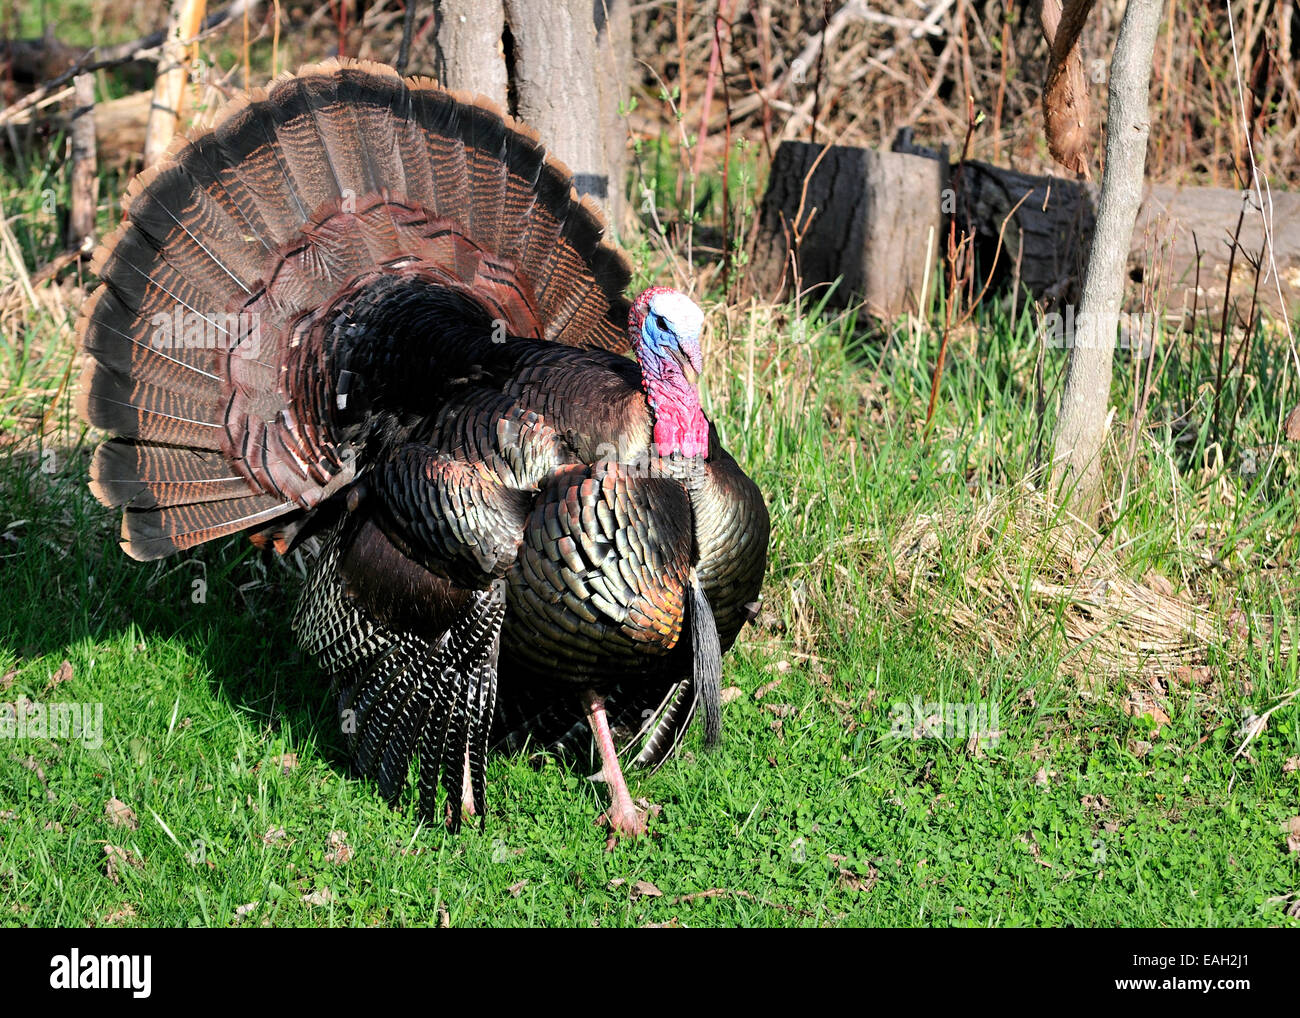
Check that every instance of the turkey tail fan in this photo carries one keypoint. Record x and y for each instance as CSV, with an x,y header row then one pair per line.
x,y
198,358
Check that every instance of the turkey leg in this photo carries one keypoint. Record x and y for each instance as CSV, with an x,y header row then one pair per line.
x,y
624,818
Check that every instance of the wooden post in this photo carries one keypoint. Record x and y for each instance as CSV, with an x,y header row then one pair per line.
x,y
85,174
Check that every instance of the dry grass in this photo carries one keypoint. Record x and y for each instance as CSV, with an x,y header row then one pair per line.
x,y
881,70
1011,569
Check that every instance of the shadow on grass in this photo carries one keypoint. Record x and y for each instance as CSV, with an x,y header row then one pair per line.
x,y
67,583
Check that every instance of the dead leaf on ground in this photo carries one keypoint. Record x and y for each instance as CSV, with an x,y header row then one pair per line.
x,y
338,851
1293,835
321,897
1140,702
1292,764
444,917
120,814
1293,425
118,860
1096,803
516,888
732,693
781,710
766,688
850,881
286,762
7,679
1158,582
127,911
61,676
273,835
645,889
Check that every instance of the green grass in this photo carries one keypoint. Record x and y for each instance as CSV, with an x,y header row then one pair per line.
x,y
809,813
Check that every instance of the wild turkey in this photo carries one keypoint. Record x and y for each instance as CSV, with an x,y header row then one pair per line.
x,y
373,312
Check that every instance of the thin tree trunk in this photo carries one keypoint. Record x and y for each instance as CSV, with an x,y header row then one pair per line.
x,y
183,25
1081,428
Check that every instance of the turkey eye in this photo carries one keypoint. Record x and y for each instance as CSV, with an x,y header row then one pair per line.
x,y
661,322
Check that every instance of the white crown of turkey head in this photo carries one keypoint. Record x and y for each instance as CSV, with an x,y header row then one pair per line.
x,y
682,314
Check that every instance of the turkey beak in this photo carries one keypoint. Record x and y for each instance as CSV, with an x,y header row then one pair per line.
x,y
689,371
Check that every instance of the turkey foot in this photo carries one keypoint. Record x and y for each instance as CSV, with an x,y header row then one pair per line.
x,y
623,816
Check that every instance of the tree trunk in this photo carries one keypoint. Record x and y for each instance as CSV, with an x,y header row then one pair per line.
x,y
560,67
183,25
1081,427
470,52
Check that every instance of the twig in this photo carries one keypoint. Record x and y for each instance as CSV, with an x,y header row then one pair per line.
x,y
147,48
408,26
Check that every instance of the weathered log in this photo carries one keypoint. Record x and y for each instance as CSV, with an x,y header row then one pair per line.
x,y
1174,221
870,218
1028,229
865,218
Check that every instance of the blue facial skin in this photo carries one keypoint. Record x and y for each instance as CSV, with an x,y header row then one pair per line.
x,y
661,346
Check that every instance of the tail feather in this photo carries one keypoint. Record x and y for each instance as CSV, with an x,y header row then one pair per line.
x,y
135,409
437,113
140,476
149,356
190,229
247,150
156,533
367,92
706,655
